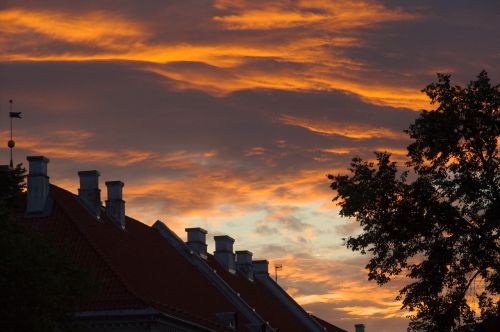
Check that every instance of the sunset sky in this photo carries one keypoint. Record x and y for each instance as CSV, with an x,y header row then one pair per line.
x,y
228,115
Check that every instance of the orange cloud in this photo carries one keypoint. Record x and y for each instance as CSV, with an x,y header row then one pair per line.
x,y
99,27
341,283
255,151
267,19
120,38
74,145
338,151
336,15
356,131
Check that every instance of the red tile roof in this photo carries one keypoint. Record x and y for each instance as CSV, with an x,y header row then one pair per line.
x,y
258,296
137,268
329,327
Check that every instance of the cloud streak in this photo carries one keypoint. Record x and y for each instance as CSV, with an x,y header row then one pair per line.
x,y
229,114
99,35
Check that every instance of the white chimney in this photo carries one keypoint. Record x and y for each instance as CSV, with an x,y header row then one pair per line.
x,y
197,240
224,251
38,186
115,205
360,327
89,193
260,267
244,263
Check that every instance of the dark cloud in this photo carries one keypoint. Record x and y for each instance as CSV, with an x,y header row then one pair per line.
x,y
129,108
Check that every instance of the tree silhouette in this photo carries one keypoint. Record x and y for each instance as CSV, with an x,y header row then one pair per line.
x,y
438,221
40,287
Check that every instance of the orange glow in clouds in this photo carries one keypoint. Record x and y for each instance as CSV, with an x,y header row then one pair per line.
x,y
120,38
271,194
356,131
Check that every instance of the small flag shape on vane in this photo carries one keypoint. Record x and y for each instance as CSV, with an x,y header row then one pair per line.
x,y
15,115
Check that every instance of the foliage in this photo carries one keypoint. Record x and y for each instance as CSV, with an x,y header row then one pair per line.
x,y
11,185
39,287
437,222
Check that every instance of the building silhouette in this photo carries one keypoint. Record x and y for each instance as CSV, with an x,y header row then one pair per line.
x,y
149,278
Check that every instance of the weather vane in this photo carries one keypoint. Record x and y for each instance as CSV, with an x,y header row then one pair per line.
x,y
276,268
11,144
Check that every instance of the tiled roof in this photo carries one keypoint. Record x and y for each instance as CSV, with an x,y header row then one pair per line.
x,y
258,296
329,327
137,268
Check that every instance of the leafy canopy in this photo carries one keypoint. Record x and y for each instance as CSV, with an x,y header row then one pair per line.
x,y
438,222
39,287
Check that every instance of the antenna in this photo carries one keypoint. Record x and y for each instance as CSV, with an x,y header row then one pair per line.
x,y
276,268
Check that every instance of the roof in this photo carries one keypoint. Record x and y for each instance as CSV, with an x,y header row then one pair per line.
x,y
137,268
329,327
258,296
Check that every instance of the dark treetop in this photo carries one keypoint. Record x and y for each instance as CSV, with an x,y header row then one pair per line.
x,y
40,288
438,222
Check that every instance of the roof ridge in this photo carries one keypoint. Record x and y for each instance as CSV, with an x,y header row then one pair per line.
x,y
113,270
328,326
291,303
209,273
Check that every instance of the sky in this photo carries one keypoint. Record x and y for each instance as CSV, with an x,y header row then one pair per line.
x,y
229,114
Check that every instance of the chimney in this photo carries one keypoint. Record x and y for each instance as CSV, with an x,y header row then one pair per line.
x,y
244,263
360,327
224,251
115,205
197,240
260,267
38,186
89,193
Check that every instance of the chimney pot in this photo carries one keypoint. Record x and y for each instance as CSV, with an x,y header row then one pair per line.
x,y
224,251
115,205
89,192
197,240
38,186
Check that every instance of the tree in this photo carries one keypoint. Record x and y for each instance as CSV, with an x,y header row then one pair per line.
x,y
11,186
437,222
39,287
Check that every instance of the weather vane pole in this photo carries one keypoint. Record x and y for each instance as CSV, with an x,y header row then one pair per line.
x,y
11,144
276,268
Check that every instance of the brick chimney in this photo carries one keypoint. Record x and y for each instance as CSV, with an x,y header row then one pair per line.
x,y
89,193
260,267
115,205
244,263
38,186
224,252
197,240
359,327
